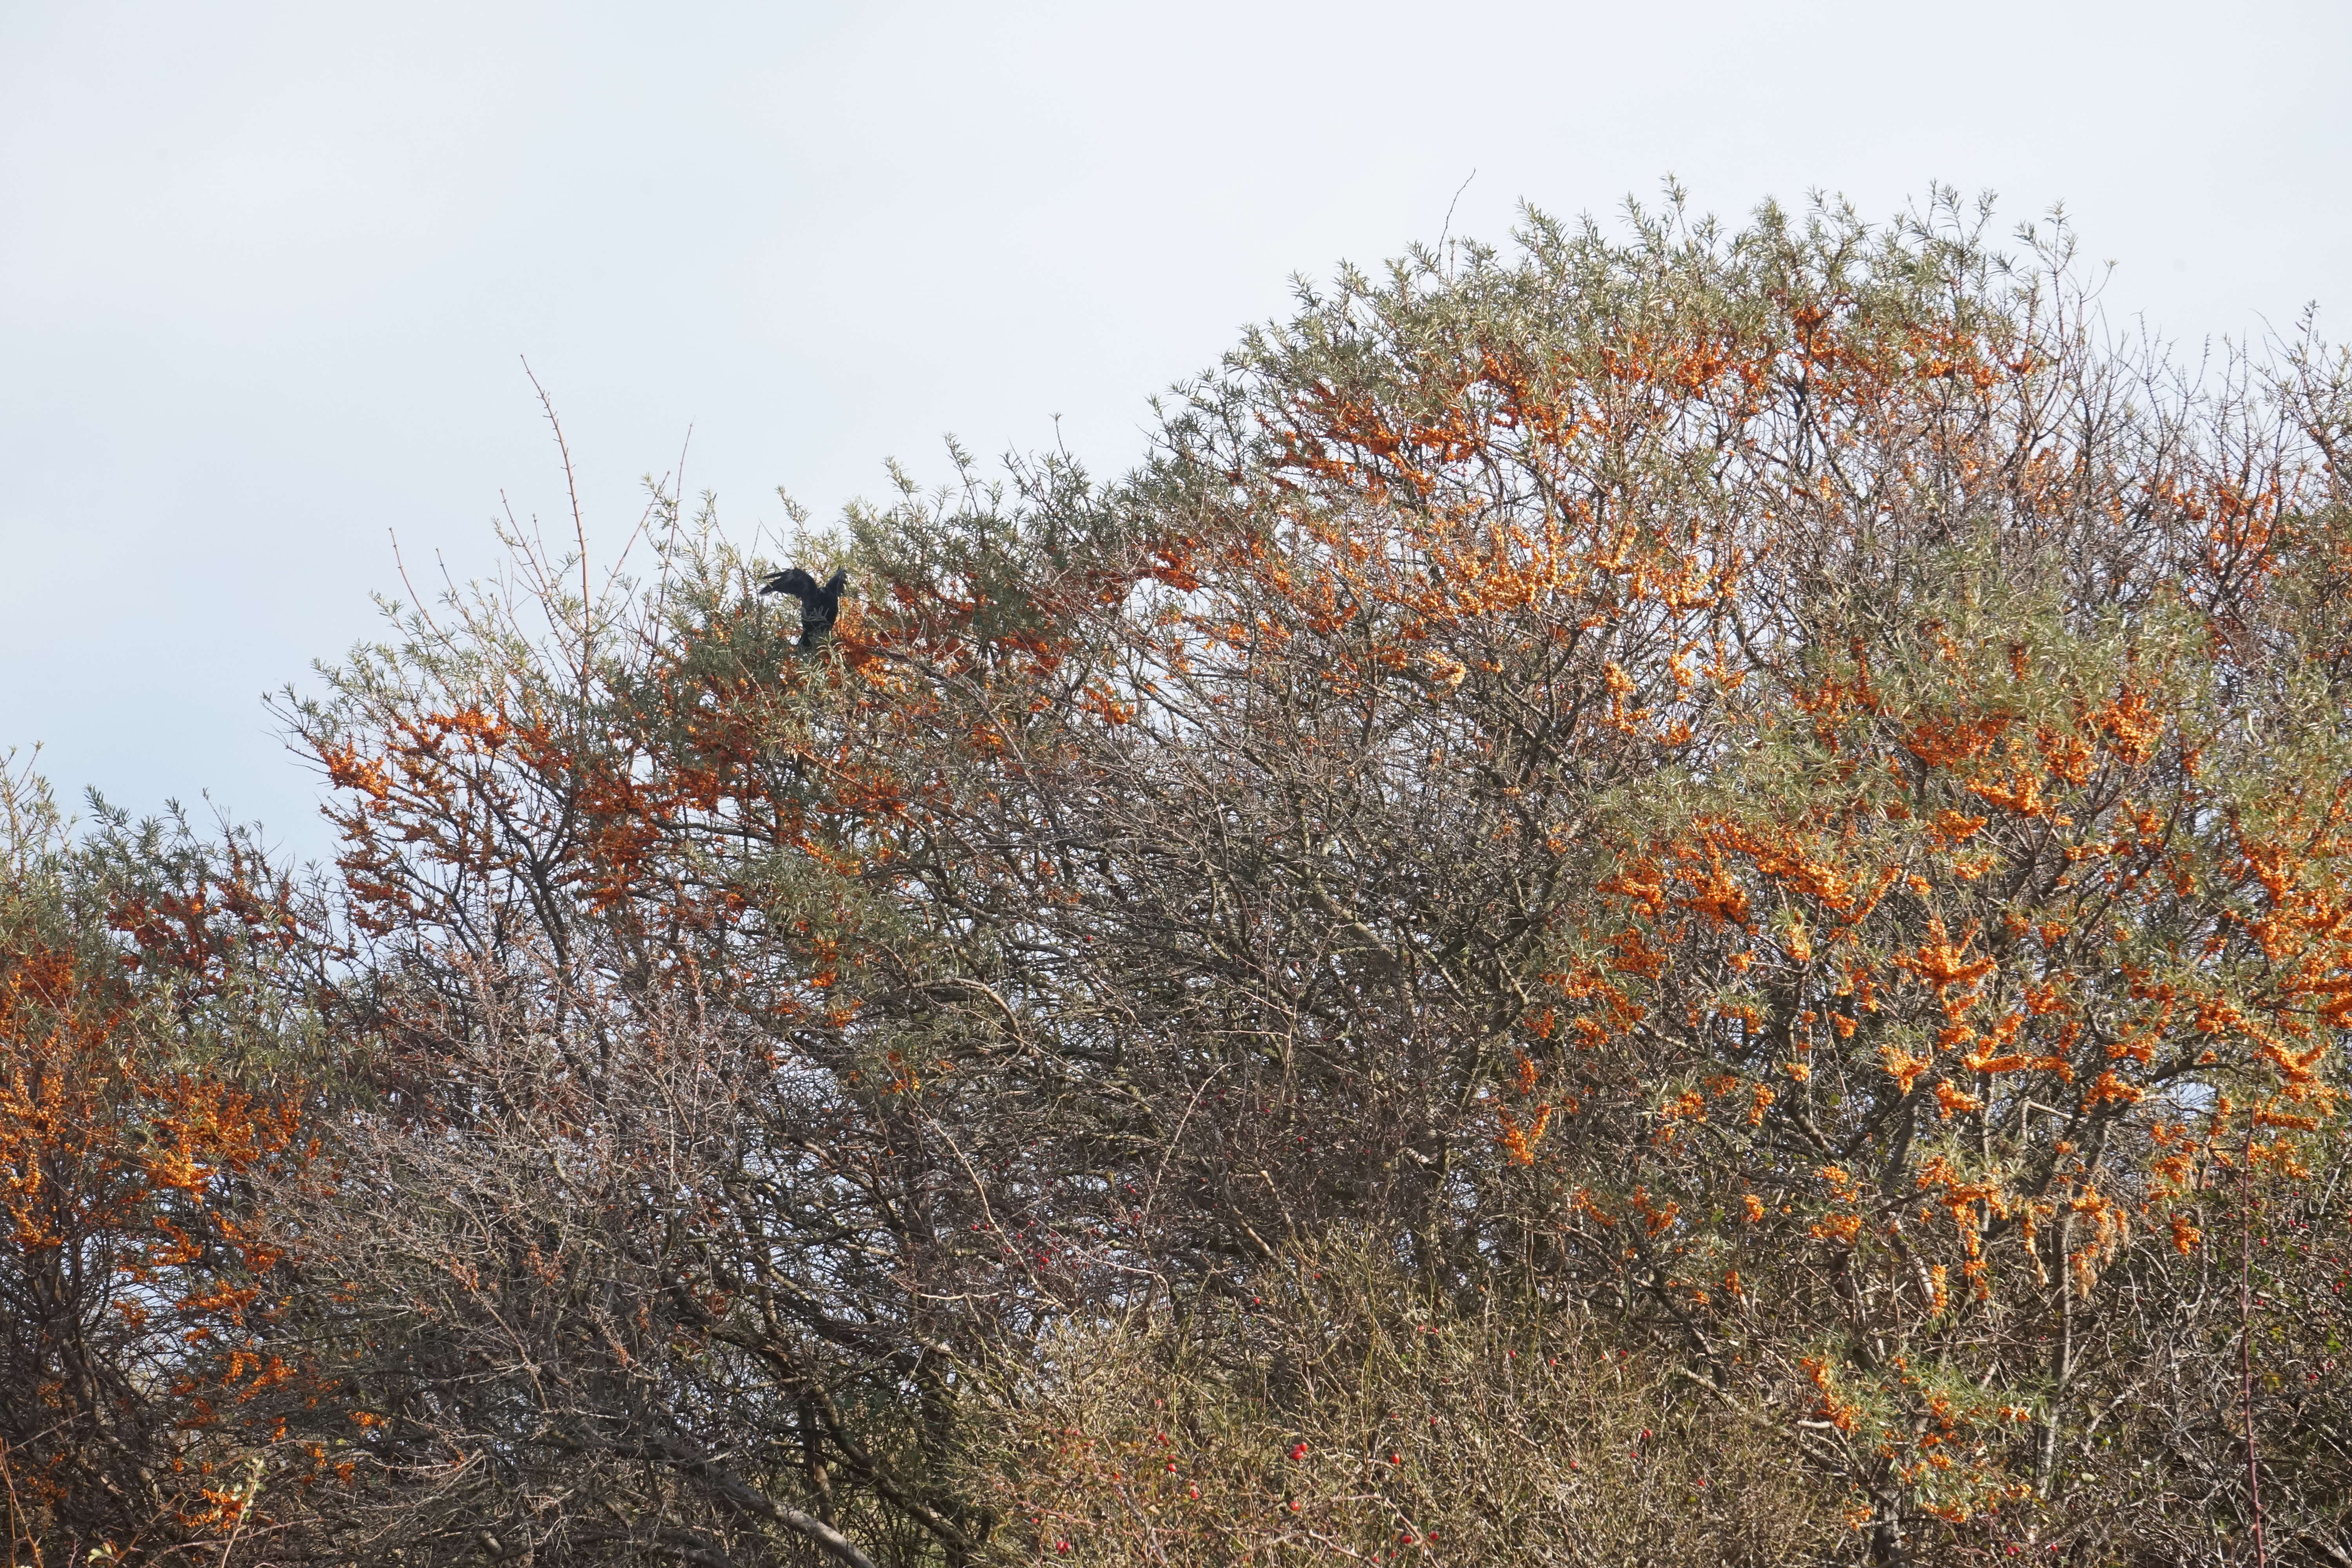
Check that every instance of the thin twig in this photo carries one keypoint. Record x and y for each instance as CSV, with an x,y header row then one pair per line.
x,y
579,519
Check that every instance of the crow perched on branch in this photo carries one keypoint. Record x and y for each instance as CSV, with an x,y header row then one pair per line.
x,y
819,605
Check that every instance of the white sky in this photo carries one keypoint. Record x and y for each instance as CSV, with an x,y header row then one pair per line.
x,y
265,272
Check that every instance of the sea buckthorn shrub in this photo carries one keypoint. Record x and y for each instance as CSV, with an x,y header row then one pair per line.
x,y
1731,834
144,1105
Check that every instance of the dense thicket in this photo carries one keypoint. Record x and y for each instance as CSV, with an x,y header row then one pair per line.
x,y
1667,898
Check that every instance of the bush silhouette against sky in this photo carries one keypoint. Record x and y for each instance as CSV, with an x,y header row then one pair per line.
x,y
1671,896
1643,889
265,273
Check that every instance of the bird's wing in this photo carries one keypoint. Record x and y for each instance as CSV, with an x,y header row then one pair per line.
x,y
793,581
840,580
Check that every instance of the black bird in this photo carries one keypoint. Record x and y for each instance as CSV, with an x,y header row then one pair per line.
x,y
819,605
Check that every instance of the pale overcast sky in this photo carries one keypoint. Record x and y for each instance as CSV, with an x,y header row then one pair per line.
x,y
266,271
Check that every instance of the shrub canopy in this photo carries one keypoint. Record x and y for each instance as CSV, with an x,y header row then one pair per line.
x,y
1674,897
